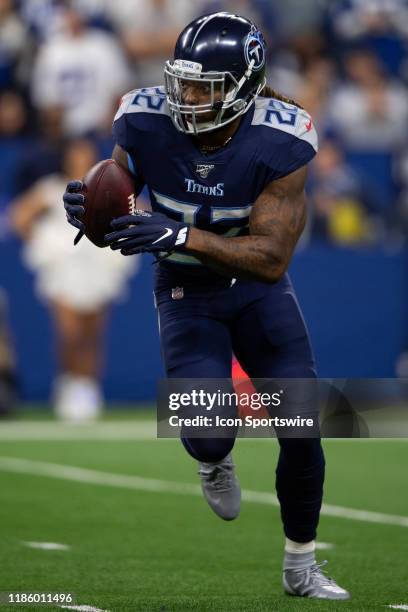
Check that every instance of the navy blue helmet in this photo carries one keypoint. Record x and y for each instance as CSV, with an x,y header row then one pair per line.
x,y
226,55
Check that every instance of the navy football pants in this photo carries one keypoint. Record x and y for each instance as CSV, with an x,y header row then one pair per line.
x,y
263,326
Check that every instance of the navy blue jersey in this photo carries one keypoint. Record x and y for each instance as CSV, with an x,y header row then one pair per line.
x,y
204,317
213,192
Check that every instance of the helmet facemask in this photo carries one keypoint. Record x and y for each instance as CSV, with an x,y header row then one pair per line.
x,y
228,97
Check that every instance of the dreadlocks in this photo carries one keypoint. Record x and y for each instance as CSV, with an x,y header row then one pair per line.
x,y
268,92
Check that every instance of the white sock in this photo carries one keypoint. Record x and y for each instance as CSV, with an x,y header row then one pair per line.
x,y
299,547
77,398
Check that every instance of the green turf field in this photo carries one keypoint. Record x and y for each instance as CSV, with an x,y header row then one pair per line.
x,y
145,544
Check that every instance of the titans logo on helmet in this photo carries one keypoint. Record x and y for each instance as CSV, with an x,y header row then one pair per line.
x,y
255,50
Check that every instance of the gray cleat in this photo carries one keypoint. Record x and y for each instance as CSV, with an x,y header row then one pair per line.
x,y
221,488
312,582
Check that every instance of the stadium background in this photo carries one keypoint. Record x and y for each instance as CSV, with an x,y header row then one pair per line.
x,y
345,61
106,510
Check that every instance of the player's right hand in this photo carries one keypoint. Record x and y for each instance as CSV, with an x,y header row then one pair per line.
x,y
74,206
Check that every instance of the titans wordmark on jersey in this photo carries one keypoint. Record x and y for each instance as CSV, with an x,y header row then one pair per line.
x,y
213,192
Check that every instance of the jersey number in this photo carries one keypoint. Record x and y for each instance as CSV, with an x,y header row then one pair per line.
x,y
189,212
285,115
154,99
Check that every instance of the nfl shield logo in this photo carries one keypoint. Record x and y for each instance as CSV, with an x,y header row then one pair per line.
x,y
177,293
203,170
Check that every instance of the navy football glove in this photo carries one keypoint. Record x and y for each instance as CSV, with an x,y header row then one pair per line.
x,y
147,232
74,206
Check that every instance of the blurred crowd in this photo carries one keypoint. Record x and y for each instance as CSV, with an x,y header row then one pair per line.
x,y
64,64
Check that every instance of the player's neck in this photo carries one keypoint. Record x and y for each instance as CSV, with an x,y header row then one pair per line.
x,y
212,141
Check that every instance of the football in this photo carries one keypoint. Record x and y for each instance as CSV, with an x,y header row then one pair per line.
x,y
110,192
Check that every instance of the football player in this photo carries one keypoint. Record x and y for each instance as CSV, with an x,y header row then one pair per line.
x,y
224,160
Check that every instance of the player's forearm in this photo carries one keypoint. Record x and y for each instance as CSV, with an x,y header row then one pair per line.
x,y
249,257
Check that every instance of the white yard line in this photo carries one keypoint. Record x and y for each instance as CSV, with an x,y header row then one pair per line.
x,y
324,546
47,545
105,430
115,430
77,474
399,606
84,608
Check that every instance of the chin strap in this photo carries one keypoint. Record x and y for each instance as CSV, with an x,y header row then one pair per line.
x,y
248,73
239,105
203,125
246,76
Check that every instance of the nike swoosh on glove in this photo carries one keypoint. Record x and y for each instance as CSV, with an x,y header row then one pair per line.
x,y
74,206
147,232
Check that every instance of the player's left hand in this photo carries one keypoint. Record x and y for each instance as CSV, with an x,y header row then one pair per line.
x,y
74,202
147,232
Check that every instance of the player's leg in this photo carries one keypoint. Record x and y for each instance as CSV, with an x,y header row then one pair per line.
x,y
271,341
196,346
300,470
79,345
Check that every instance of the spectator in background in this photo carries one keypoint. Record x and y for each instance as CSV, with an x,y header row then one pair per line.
x,y
13,40
339,214
370,114
44,18
299,28
314,89
260,11
380,25
84,71
297,17
94,12
78,283
13,140
148,30
369,110
297,43
311,87
42,154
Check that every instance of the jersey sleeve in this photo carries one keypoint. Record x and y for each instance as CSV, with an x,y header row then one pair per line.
x,y
121,135
120,127
305,144
292,144
139,114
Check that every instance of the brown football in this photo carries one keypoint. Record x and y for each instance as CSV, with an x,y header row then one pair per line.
x,y
110,192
